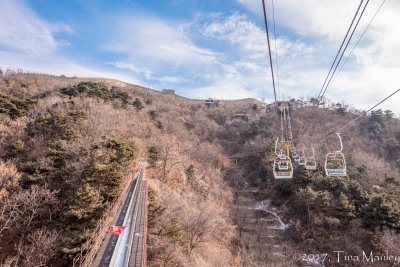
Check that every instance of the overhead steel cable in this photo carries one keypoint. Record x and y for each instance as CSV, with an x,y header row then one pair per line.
x,y
324,86
269,49
359,39
357,118
344,50
319,98
340,49
276,50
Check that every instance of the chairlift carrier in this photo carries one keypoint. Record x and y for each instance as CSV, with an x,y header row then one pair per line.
x,y
311,163
302,159
283,168
336,157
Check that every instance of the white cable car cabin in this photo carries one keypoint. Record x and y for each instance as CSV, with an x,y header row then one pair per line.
x,y
302,159
283,168
311,163
294,153
335,163
297,157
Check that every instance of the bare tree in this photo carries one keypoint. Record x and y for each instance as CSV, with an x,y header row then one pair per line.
x,y
40,247
168,155
21,210
195,225
8,177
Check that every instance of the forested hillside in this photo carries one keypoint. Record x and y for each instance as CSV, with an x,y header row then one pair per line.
x,y
67,145
357,213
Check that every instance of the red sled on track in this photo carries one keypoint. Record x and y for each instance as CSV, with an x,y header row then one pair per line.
x,y
117,230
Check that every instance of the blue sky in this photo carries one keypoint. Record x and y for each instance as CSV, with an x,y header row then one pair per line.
x,y
214,48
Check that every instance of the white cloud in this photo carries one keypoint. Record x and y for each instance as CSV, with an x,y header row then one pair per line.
x,y
170,79
237,29
130,66
248,72
153,41
21,29
310,17
27,42
372,71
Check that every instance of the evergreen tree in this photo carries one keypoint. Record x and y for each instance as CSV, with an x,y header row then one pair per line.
x,y
153,156
138,104
322,201
16,149
190,172
175,232
153,114
382,210
305,200
155,211
356,194
344,208
86,203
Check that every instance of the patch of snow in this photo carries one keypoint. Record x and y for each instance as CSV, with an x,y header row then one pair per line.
x,y
267,220
278,254
264,205
269,236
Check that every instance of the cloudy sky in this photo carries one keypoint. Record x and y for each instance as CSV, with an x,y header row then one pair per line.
x,y
213,48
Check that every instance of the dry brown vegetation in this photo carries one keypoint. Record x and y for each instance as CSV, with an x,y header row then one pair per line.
x,y
65,134
66,153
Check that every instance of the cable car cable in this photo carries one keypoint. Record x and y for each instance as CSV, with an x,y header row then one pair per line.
x,y
344,50
320,97
359,39
300,133
341,46
276,51
358,117
269,49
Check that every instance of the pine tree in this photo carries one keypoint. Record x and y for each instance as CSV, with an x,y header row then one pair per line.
x,y
344,208
153,156
86,203
382,210
305,199
155,211
190,172
322,201
138,104
175,232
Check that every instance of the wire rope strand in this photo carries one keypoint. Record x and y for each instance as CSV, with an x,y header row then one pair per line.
x,y
359,39
341,46
276,51
320,97
357,118
269,49
344,50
